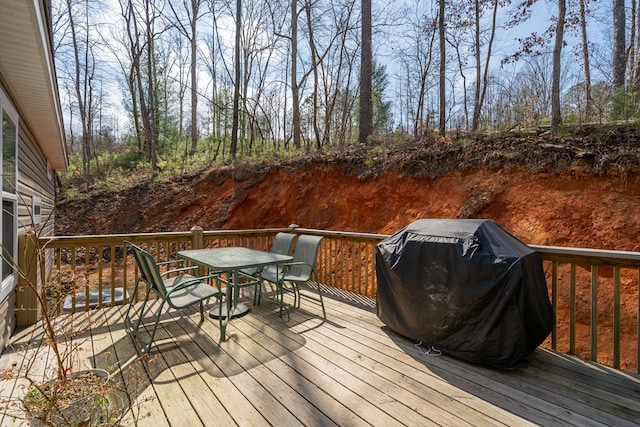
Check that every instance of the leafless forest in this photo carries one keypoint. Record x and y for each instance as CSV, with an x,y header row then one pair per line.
x,y
250,78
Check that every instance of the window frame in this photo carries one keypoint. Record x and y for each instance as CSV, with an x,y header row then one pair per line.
x,y
9,283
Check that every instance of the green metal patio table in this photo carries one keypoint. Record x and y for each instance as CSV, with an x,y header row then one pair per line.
x,y
232,260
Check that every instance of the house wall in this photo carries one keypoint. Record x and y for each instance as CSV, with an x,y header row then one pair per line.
x,y
34,179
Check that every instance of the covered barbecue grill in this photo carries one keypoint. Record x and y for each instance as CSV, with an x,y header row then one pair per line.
x,y
466,287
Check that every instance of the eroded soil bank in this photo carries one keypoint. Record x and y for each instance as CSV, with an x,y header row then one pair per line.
x,y
557,209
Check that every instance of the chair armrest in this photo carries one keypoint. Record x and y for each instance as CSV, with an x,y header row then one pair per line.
x,y
178,270
288,265
192,281
172,261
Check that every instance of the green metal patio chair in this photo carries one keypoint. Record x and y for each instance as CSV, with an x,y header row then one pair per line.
x,y
282,243
301,270
179,291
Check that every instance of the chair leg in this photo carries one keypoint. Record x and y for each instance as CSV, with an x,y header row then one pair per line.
x,y
317,284
155,327
133,323
296,293
127,317
280,288
257,293
324,313
221,319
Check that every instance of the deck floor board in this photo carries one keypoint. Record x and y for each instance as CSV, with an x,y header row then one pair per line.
x,y
303,370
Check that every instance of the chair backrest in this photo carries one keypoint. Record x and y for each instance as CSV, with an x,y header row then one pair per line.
x,y
306,251
149,271
282,243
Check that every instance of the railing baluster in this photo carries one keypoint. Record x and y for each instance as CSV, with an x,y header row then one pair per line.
x,y
125,276
357,266
100,265
87,263
594,312
331,262
112,261
345,265
554,303
572,311
616,317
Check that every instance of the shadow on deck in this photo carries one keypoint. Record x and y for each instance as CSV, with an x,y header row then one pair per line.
x,y
347,370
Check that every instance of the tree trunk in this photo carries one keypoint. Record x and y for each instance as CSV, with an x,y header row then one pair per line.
x,y
476,46
366,65
636,75
151,83
83,68
314,67
443,101
236,86
481,90
195,6
585,56
619,57
295,96
556,118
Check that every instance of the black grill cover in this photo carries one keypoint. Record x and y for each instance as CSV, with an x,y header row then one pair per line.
x,y
466,287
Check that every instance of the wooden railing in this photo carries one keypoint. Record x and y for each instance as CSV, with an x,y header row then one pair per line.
x,y
593,320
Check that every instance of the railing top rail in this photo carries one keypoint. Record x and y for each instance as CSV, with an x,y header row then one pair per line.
x,y
592,256
245,232
113,238
626,259
346,234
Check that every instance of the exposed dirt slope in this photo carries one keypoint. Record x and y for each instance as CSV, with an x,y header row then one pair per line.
x,y
547,191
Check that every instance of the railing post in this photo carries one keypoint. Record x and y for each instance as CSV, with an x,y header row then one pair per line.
x,y
27,307
197,237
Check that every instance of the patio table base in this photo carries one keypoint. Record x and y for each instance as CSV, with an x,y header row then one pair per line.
x,y
240,311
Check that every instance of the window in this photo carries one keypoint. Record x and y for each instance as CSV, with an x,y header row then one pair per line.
x,y
9,173
36,210
8,240
9,137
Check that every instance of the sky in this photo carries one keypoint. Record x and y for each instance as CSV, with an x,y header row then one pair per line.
x,y
385,48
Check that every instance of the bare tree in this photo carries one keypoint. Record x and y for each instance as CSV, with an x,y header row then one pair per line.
x,y
366,71
556,117
180,58
236,84
585,58
443,67
83,67
619,56
295,91
416,56
139,19
336,66
482,79
191,10
634,56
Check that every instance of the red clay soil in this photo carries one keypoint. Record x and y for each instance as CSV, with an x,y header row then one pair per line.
x,y
571,207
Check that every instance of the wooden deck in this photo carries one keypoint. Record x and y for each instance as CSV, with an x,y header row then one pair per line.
x,y
346,371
